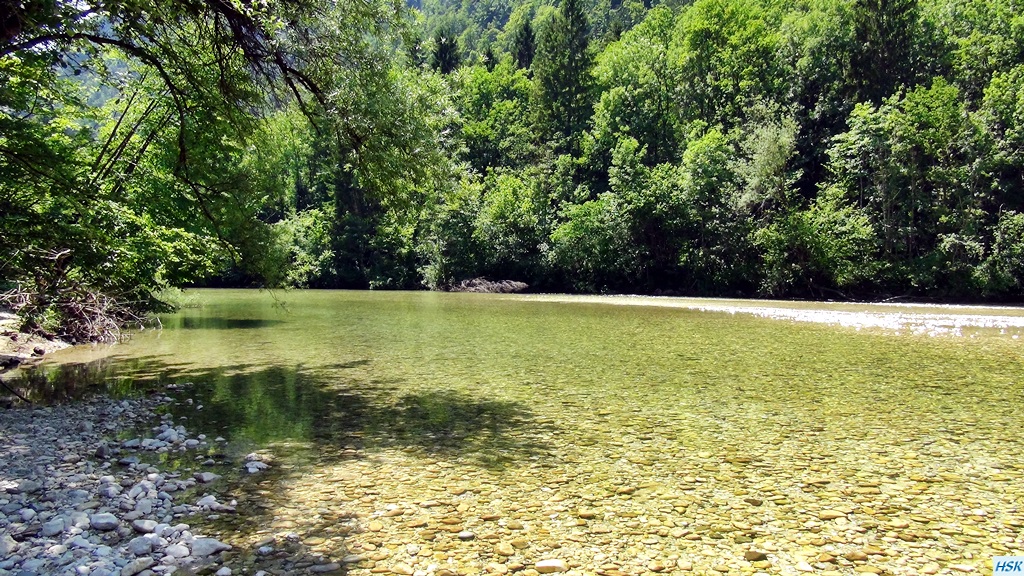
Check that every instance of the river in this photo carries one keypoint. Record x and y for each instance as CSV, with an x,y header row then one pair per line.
x,y
426,432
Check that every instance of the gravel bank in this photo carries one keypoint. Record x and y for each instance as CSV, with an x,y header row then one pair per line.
x,y
921,319
73,500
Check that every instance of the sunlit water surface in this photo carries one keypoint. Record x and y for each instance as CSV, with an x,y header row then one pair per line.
x,y
666,435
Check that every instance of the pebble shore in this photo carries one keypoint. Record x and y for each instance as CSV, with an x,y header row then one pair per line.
x,y
114,487
75,501
395,513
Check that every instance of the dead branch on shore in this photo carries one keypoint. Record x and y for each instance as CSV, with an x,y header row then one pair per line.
x,y
74,313
489,286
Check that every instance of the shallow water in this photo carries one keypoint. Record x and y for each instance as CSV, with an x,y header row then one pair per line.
x,y
666,435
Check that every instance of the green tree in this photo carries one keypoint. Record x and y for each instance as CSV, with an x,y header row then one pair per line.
x,y
593,247
510,228
818,251
495,131
639,86
1002,113
729,54
883,59
523,44
562,68
983,38
164,181
445,56
449,250
911,166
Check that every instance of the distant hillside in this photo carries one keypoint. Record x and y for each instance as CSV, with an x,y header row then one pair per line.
x,y
480,24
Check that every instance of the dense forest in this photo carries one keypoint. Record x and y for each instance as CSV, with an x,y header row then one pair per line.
x,y
821,148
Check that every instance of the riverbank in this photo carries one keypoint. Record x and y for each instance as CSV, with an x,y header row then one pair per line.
x,y
76,500
17,347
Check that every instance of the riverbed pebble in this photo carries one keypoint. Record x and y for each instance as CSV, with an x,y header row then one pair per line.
x,y
64,509
581,487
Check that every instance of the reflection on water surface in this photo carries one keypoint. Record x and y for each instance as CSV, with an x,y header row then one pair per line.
x,y
617,438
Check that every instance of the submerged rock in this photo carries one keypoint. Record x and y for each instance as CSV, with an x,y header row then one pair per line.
x,y
551,566
254,467
206,477
208,546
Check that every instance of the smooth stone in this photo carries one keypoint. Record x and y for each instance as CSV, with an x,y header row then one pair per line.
x,y
466,535
206,477
140,546
136,566
754,556
52,528
104,521
224,571
7,545
253,467
78,496
830,515
208,546
505,549
319,568
176,551
31,566
551,566
28,487
144,526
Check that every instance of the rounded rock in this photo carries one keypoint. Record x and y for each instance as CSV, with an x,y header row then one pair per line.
x,y
551,566
104,521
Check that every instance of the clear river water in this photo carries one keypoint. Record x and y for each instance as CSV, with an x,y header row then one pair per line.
x,y
441,433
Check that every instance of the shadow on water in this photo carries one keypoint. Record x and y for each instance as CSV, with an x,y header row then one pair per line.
x,y
218,323
310,420
55,384
328,410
